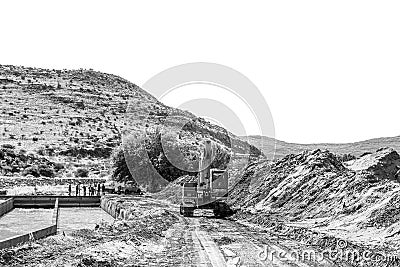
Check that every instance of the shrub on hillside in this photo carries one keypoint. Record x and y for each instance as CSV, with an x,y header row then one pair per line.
x,y
58,167
46,171
82,173
346,157
39,170
8,146
121,171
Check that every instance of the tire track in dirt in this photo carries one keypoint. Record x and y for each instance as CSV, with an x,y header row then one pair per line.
x,y
248,243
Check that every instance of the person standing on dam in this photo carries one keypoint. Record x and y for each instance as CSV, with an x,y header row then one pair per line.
x,y
103,189
69,190
77,189
84,190
98,189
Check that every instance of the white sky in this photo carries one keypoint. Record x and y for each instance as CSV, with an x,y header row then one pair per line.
x,y
245,125
330,71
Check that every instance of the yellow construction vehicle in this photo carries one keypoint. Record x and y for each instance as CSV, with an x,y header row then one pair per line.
x,y
210,191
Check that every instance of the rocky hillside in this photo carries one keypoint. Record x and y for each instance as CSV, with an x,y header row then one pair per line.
x,y
356,200
70,117
281,149
77,118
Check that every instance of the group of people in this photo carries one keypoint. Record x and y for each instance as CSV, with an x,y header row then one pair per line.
x,y
95,189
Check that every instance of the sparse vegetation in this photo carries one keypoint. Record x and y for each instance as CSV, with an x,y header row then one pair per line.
x,y
121,172
82,173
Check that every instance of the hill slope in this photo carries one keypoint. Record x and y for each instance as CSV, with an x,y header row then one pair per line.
x,y
77,118
269,145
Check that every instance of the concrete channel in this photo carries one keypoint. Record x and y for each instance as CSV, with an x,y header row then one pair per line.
x,y
48,201
23,218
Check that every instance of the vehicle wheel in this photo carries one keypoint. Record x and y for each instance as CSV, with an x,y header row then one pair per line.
x,y
180,211
187,212
217,213
220,210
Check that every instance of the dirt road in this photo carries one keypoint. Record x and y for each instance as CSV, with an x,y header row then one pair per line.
x,y
157,235
203,240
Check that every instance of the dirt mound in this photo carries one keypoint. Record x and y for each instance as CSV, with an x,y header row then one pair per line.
x,y
387,215
311,184
294,184
315,190
384,164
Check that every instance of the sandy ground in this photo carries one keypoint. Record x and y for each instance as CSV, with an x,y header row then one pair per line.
x,y
158,236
